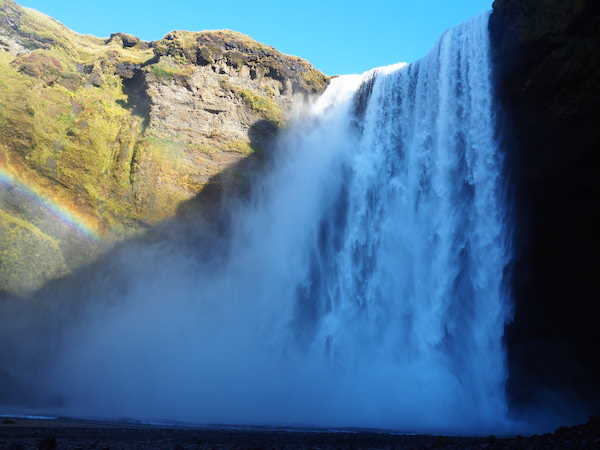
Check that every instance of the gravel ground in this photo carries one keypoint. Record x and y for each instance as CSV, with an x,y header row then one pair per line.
x,y
25,434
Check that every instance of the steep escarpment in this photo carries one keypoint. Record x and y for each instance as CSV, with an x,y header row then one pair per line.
x,y
112,135
547,57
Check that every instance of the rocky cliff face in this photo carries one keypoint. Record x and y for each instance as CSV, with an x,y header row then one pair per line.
x,y
547,56
113,134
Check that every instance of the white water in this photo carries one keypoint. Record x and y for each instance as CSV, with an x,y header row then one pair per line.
x,y
365,282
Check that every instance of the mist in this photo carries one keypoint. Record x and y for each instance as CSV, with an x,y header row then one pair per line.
x,y
362,283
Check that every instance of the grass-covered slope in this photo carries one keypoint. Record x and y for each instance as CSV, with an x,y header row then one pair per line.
x,y
118,132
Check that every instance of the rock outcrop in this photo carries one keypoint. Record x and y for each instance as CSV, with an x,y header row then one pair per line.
x,y
118,132
547,57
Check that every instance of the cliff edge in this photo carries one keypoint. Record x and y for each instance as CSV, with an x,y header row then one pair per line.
x,y
102,138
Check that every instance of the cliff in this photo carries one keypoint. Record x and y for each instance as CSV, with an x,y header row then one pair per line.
x,y
547,57
102,138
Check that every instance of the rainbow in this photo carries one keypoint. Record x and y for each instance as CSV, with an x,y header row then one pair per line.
x,y
61,211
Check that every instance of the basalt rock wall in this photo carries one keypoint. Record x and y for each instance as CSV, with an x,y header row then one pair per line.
x,y
547,65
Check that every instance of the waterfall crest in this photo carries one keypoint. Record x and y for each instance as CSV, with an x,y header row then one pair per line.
x,y
366,280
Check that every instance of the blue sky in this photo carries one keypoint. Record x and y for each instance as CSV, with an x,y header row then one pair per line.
x,y
337,37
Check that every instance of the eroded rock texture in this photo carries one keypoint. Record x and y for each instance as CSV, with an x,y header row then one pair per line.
x,y
116,134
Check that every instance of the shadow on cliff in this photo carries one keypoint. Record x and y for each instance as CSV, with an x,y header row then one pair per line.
x,y
202,225
547,66
33,330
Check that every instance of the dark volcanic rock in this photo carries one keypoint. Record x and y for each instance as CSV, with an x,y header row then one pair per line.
x,y
547,58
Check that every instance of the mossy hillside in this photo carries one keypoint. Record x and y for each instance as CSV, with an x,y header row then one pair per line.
x,y
121,132
36,31
161,177
69,126
82,140
64,116
28,256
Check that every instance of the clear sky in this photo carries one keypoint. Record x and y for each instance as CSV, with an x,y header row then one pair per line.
x,y
337,37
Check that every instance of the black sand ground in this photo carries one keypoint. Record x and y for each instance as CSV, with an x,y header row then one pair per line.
x,y
69,434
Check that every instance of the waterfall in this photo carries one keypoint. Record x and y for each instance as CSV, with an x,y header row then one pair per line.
x,y
365,284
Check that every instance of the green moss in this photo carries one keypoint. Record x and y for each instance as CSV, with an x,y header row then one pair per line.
x,y
39,65
69,129
161,72
66,118
124,40
181,45
88,152
264,106
202,148
169,69
29,256
269,91
313,81
240,146
159,177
